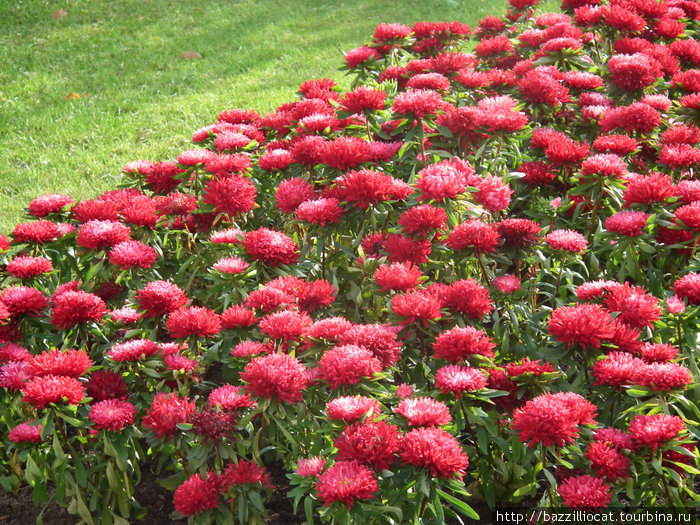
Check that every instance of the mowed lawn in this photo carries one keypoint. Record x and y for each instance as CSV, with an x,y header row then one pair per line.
x,y
87,86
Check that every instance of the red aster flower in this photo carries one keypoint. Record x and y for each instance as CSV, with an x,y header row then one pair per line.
x,y
654,431
525,366
655,187
416,306
347,365
71,308
275,160
112,414
507,284
552,419
292,192
680,134
193,157
431,81
442,181
345,482
638,117
637,308
279,377
362,55
566,240
494,194
688,80
397,276
47,204
424,411
316,123
366,187
584,492
311,467
4,314
679,155
232,196
689,215
658,353
459,379
158,298
618,369
212,425
435,450
98,210
419,103
372,443
70,363
14,352
539,87
270,246
99,235
306,150
518,232
14,375
633,72
141,212
499,114
536,173
619,439
165,413
133,350
687,286
225,141
225,165
230,398
594,289
605,164
629,223
497,45
239,116
320,211
406,249
245,473
583,80
363,99
23,300
161,177
25,267
315,294
344,153
469,298
193,320
179,362
329,328
658,102
351,408
379,339
583,325
26,433
665,376
675,305
4,242
422,219
268,299
561,150
231,265
196,495
42,391
688,191
615,144
287,325
106,384
36,232
249,348
132,254
457,344
480,236
237,317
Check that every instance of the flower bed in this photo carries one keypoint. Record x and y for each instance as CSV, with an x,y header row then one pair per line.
x,y
470,281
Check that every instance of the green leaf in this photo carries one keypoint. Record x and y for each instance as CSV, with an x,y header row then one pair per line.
x,y
462,506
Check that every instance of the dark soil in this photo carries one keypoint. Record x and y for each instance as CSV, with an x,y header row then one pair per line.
x,y
18,509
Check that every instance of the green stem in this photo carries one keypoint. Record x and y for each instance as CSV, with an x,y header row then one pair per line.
x,y
546,479
596,208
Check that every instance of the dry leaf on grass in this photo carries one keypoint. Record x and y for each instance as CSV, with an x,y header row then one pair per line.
x,y
58,14
190,55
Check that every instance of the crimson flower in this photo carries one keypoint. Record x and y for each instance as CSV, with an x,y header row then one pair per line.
x,y
345,482
435,450
280,377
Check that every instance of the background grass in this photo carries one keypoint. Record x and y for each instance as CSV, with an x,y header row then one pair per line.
x,y
139,99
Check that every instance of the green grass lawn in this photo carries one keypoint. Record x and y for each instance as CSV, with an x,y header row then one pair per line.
x,y
138,98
